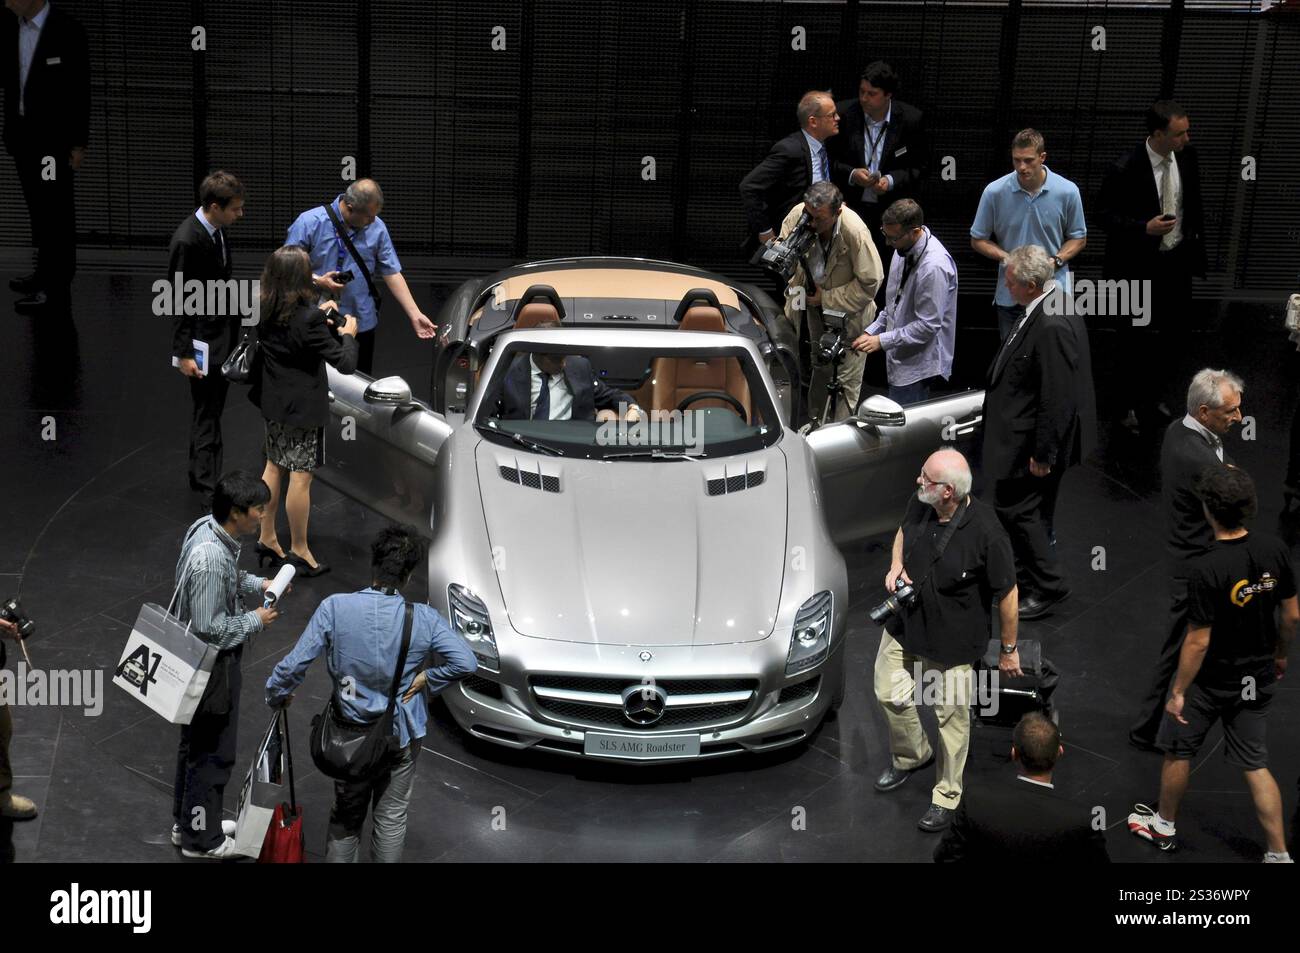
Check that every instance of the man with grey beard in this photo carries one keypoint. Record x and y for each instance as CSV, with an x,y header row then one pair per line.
x,y
952,550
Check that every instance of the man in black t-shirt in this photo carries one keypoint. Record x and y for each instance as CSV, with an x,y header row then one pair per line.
x,y
1233,655
936,641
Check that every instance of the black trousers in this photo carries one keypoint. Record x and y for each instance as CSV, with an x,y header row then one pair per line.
x,y
1161,343
366,351
204,762
1026,505
52,213
1152,711
208,394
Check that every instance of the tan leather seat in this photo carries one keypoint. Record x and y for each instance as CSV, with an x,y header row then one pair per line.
x,y
539,303
676,378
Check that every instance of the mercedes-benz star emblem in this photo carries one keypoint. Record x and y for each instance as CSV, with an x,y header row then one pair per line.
x,y
644,704
645,656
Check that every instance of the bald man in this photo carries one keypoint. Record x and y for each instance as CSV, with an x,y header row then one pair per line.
x,y
953,551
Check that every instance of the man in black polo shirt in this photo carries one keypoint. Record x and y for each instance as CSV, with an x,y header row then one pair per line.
x,y
1190,445
954,551
1234,653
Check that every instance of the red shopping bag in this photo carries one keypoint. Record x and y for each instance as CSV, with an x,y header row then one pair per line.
x,y
284,838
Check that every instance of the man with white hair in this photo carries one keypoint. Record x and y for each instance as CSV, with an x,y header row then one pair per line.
x,y
1190,445
1039,418
951,549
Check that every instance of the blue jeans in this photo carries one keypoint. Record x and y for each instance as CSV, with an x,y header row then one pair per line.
x,y
390,793
1007,318
913,393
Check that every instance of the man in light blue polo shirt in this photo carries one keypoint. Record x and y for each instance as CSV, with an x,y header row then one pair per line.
x,y
357,211
1029,206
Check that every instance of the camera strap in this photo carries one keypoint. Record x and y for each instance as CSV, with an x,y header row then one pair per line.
x,y
352,250
944,539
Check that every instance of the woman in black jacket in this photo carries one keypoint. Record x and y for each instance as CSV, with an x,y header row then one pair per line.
x,y
296,338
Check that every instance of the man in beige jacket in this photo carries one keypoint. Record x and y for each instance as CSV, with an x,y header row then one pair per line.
x,y
846,272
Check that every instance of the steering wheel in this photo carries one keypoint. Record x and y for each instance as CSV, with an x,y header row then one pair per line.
x,y
736,405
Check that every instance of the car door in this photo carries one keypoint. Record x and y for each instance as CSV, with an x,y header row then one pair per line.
x,y
382,445
868,470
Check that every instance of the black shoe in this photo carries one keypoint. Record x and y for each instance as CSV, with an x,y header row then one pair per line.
x,y
935,819
303,568
1035,606
1143,743
893,777
34,303
25,285
266,556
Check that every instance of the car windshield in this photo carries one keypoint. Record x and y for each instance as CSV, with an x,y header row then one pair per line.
x,y
628,403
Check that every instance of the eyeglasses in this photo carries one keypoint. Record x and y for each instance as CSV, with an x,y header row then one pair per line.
x,y
834,114
928,482
890,240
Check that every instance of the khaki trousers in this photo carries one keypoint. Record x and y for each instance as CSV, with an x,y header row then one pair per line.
x,y
948,691
851,365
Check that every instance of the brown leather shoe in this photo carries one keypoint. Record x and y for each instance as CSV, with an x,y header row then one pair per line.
x,y
18,808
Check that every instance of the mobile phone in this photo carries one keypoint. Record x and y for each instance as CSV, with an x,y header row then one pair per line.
x,y
1168,218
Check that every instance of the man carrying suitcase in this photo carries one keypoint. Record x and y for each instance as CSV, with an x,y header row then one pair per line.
x,y
953,553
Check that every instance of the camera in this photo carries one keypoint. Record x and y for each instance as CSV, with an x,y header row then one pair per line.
x,y
343,277
12,611
903,597
782,255
832,344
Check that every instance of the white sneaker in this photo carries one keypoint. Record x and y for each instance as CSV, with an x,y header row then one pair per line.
x,y
227,828
1272,858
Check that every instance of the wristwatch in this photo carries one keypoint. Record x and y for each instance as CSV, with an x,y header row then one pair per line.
x,y
1009,649
1058,261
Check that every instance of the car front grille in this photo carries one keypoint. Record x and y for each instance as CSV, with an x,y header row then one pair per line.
x,y
692,703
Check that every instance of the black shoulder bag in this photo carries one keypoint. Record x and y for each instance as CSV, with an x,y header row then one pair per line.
x,y
348,751
352,250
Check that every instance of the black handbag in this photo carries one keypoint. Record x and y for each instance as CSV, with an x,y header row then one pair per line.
x,y
238,367
1016,697
348,751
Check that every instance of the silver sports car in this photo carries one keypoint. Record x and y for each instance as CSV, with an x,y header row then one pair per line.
x,y
642,552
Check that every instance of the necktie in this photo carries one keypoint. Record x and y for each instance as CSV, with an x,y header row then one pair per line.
x,y
543,409
826,166
221,245
1006,347
1168,201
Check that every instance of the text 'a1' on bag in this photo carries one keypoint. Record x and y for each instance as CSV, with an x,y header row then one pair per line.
x,y
347,751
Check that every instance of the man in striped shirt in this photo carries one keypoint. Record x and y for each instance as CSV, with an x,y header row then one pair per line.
x,y
211,591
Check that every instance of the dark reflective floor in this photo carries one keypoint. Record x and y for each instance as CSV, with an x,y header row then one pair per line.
x,y
92,520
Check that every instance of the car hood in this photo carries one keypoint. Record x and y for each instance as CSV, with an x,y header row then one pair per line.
x,y
637,552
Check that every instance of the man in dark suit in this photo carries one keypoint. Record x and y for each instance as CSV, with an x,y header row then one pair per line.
x,y
556,387
45,69
1191,444
1039,418
200,251
882,140
1025,820
1151,206
778,183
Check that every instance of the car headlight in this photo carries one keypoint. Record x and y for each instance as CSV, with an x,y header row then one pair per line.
x,y
469,617
810,642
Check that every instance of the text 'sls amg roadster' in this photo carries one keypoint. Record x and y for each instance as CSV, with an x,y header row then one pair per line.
x,y
661,585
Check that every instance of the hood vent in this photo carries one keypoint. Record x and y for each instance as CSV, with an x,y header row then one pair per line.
x,y
533,479
735,482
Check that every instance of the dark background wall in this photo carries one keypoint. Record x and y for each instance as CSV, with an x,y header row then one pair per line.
x,y
537,151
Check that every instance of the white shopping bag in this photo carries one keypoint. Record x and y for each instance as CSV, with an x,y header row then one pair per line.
x,y
164,665
263,789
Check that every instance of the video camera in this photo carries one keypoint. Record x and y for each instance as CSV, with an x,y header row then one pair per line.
x,y
782,255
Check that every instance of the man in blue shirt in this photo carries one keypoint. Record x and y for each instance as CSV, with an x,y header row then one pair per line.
x,y
357,210
917,328
361,633
1029,206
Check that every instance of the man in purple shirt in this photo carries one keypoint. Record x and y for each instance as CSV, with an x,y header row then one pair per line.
x,y
917,327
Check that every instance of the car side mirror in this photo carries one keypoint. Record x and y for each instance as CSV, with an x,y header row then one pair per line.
x,y
879,411
388,390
